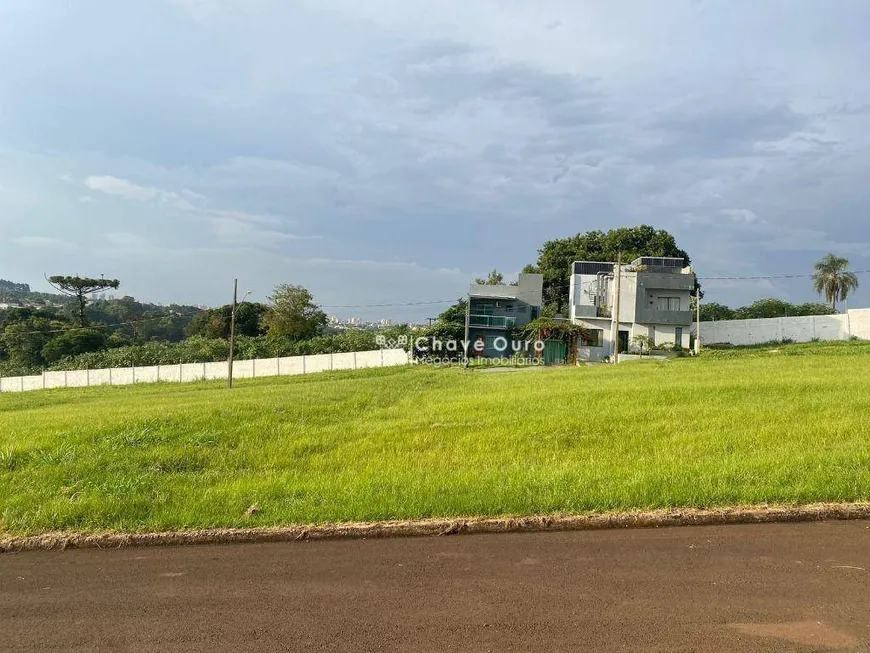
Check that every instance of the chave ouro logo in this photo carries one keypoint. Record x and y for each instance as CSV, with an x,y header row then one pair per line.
x,y
437,350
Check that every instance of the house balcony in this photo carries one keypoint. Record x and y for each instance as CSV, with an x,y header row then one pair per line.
x,y
677,318
492,321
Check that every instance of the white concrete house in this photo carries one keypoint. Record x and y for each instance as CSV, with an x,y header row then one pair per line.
x,y
654,300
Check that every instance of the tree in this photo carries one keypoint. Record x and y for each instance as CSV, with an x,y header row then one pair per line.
x,y
712,311
556,256
833,280
72,343
80,288
215,322
643,342
293,313
495,278
24,337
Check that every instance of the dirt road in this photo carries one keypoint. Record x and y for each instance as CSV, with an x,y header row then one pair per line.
x,y
776,587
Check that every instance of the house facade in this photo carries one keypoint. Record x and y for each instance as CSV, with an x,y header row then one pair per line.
x,y
493,310
654,301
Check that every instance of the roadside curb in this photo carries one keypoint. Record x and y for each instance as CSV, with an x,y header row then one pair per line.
x,y
440,527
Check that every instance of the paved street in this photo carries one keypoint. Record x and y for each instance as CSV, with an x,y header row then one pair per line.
x,y
779,587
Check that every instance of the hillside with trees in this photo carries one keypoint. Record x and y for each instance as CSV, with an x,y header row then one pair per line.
x,y
77,332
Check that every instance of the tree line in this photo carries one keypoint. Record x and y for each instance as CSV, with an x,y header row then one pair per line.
x,y
94,333
85,332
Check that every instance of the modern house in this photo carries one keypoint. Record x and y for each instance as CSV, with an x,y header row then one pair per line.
x,y
493,310
654,301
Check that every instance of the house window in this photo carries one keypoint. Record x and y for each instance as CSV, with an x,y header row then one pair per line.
x,y
678,336
490,342
668,304
594,338
484,309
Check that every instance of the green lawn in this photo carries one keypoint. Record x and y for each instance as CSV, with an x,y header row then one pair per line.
x,y
782,424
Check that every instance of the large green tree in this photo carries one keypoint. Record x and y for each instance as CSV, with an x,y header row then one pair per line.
x,y
833,280
80,288
556,256
25,333
74,342
293,313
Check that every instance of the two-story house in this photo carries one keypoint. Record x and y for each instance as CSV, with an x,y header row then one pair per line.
x,y
493,310
654,300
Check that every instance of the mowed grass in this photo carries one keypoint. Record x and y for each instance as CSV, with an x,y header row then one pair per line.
x,y
743,428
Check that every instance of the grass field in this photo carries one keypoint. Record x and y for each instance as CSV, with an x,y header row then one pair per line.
x,y
782,424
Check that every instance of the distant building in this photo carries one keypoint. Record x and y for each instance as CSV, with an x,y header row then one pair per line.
x,y
495,309
654,301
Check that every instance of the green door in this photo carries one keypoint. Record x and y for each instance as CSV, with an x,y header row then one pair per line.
x,y
555,351
623,342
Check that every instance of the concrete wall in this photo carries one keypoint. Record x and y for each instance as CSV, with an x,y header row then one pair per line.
x,y
244,369
855,322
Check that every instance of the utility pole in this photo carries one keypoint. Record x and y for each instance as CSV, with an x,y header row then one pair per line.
x,y
697,321
467,324
616,302
232,333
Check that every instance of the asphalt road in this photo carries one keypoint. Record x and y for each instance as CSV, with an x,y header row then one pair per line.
x,y
795,587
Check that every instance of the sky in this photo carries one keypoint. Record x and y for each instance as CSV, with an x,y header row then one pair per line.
x,y
390,151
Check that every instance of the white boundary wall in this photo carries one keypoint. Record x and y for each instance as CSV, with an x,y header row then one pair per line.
x,y
855,322
242,369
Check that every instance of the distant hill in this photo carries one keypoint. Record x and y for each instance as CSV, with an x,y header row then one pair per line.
x,y
11,286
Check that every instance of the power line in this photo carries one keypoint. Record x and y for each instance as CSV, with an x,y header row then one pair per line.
x,y
438,301
770,276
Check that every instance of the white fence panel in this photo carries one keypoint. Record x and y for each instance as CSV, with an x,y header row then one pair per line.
x,y
859,323
266,367
366,359
215,370
192,371
291,365
99,377
344,361
318,363
31,382
149,374
243,369
55,379
122,376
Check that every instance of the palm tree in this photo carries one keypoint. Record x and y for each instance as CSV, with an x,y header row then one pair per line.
x,y
833,280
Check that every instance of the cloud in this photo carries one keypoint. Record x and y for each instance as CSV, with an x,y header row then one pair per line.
x,y
42,242
741,216
230,226
123,188
722,129
232,230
